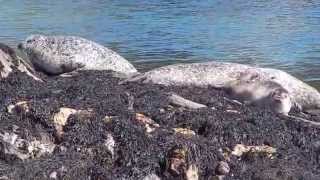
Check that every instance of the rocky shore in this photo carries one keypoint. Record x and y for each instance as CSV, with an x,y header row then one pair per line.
x,y
87,126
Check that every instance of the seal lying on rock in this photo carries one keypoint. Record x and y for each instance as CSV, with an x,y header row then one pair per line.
x,y
220,74
264,94
9,61
61,54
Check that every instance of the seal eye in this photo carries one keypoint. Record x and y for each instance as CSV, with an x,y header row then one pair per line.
x,y
30,41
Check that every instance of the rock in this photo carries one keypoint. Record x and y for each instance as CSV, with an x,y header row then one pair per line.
x,y
177,161
110,144
60,118
53,175
183,131
61,54
241,149
149,124
18,108
23,149
5,64
151,177
192,173
9,61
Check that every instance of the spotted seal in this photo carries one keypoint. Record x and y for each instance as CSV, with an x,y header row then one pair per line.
x,y
61,54
261,93
220,74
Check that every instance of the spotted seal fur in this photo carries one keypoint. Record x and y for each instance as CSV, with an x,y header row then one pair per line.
x,y
61,54
220,74
261,93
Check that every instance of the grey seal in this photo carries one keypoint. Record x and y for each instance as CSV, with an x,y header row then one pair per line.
x,y
220,74
61,54
261,93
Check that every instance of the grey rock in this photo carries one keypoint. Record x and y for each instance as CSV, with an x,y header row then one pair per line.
x,y
12,144
60,54
9,61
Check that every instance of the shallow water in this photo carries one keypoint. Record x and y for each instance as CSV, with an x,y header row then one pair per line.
x,y
272,33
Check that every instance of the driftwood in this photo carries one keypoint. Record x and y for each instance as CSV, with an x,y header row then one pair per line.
x,y
305,120
177,100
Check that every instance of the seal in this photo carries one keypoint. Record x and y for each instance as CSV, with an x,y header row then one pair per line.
x,y
220,74
10,61
55,55
261,93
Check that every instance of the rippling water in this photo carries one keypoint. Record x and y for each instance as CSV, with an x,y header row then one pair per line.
x,y
272,33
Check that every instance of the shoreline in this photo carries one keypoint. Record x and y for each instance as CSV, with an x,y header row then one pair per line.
x,y
148,65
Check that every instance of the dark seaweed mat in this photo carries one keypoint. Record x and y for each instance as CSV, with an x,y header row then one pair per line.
x,y
81,155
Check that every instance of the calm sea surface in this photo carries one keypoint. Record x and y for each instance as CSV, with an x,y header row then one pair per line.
x,y
271,33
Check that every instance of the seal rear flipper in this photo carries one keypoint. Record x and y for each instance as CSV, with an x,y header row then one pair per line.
x,y
124,76
134,78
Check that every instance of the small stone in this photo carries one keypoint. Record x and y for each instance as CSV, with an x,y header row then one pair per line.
x,y
146,120
222,168
4,177
62,116
192,173
233,111
151,177
217,178
241,149
149,124
18,108
60,119
110,144
53,175
184,131
63,149
176,160
108,119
